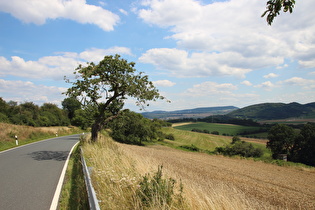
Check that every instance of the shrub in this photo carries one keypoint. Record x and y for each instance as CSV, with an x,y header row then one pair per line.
x,y
191,148
170,136
241,148
156,191
215,132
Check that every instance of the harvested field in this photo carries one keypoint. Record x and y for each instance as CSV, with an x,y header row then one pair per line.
x,y
216,182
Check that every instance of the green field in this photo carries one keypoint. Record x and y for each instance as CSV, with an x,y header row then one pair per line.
x,y
223,129
201,140
204,141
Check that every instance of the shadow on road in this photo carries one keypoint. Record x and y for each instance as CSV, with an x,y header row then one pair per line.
x,y
49,155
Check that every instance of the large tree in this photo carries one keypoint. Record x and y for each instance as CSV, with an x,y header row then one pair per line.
x,y
274,8
106,85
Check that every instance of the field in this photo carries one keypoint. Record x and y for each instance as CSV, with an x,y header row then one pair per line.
x,y
210,181
223,129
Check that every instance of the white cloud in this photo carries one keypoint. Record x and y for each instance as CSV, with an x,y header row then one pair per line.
x,y
266,85
122,11
271,75
247,83
54,67
13,90
211,88
235,28
180,64
38,11
305,83
164,83
96,55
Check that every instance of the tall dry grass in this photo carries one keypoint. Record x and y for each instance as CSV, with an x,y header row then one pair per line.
x,y
117,178
117,171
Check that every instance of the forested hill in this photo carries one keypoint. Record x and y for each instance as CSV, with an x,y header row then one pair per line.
x,y
272,111
189,113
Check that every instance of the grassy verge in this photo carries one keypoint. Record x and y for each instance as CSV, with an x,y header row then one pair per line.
x,y
28,134
119,184
74,195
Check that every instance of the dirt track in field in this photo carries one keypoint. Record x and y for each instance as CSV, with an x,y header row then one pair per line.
x,y
270,186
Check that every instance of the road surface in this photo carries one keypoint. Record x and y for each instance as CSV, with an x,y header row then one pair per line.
x,y
29,174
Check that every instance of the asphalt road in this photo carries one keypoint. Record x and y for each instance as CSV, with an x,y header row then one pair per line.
x,y
29,174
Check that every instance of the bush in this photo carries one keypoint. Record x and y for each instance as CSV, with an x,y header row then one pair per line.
x,y
170,136
191,148
241,148
215,132
156,191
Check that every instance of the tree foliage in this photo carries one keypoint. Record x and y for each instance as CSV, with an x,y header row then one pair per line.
x,y
281,139
299,147
241,148
132,128
30,114
274,8
105,86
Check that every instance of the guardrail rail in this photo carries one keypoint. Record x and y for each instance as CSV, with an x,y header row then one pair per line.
x,y
93,201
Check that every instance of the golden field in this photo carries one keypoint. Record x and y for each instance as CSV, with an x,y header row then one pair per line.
x,y
210,181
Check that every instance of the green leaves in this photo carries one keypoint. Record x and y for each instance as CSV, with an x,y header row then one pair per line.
x,y
106,85
274,7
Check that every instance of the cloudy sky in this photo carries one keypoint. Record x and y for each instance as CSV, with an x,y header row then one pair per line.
x,y
198,53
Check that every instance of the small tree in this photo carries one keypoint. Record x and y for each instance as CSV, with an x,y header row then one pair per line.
x,y
106,85
281,139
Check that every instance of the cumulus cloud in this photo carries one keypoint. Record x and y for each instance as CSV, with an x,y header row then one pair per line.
x,y
164,83
211,88
247,83
271,75
13,90
266,85
54,67
232,30
305,83
181,64
38,11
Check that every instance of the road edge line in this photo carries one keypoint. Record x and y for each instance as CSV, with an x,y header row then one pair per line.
x,y
54,203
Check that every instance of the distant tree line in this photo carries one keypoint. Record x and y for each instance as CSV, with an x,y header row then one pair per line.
x,y
30,114
299,146
224,119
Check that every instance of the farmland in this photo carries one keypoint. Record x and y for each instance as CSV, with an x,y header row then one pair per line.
x,y
223,129
210,181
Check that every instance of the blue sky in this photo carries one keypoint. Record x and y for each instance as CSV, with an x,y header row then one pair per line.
x,y
198,53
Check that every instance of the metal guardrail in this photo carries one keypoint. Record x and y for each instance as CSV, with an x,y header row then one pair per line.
x,y
93,201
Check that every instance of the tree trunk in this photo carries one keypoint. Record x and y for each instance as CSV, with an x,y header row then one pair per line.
x,y
95,129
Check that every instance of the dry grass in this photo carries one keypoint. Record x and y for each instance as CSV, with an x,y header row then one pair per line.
x,y
116,177
27,134
210,182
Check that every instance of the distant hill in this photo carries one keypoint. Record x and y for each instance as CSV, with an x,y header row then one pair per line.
x,y
190,113
272,111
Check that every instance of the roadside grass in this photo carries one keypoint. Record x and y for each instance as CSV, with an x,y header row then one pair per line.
x,y
223,129
74,194
28,134
120,183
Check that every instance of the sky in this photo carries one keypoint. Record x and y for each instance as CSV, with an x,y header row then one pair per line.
x,y
203,53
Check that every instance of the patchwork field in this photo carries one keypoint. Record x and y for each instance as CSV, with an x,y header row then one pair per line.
x,y
228,129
